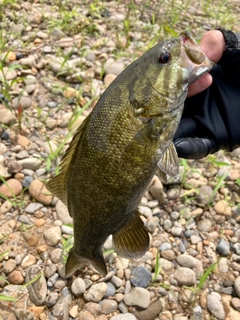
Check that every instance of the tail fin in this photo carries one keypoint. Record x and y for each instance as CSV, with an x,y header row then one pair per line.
x,y
75,262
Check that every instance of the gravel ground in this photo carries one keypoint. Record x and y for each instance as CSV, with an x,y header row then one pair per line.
x,y
56,60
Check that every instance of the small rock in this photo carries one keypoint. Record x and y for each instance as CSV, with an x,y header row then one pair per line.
x,y
52,235
14,166
125,316
139,297
237,286
223,265
15,277
204,195
223,247
33,206
39,192
51,299
215,306
108,306
11,188
6,117
186,260
78,287
204,225
151,312
140,277
236,248
185,276
96,292
222,207
93,307
23,314
31,163
63,213
38,289
176,231
236,303
6,207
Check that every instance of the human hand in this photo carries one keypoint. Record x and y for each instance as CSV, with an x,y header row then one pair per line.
x,y
210,119
213,44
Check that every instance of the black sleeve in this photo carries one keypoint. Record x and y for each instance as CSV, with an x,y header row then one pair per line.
x,y
215,112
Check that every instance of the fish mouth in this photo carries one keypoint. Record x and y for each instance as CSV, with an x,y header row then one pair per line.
x,y
192,57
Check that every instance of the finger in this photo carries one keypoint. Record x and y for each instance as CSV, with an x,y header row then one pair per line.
x,y
201,84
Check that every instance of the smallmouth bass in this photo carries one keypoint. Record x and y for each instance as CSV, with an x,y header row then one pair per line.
x,y
118,148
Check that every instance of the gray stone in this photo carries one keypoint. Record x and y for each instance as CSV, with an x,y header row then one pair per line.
x,y
23,314
55,255
9,265
237,286
125,316
25,102
96,292
31,163
49,270
204,195
67,230
223,265
176,231
111,290
204,225
63,213
236,248
215,306
33,206
61,308
138,297
38,289
186,260
223,247
167,224
140,277
78,287
108,306
51,299
165,246
185,276
52,235
116,281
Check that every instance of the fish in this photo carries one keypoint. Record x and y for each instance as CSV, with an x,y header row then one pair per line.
x,y
122,143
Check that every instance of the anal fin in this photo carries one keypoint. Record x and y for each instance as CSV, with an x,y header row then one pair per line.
x,y
132,241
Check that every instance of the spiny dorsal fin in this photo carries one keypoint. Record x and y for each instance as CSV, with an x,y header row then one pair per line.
x,y
132,241
58,185
169,162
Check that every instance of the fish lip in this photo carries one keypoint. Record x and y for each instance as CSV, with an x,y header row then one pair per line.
x,y
192,57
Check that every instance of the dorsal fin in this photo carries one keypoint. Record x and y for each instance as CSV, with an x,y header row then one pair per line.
x,y
58,185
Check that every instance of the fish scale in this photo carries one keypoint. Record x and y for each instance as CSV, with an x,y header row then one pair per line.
x,y
118,148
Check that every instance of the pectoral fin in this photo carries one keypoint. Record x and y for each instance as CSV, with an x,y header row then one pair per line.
x,y
132,241
169,162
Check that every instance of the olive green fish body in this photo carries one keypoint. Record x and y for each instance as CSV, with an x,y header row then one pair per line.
x,y
118,148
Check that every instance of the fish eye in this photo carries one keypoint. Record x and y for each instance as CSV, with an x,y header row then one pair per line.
x,y
164,57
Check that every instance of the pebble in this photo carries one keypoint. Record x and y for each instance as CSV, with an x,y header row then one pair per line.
x,y
27,181
61,308
38,289
126,316
186,260
111,290
138,297
6,207
78,287
52,235
237,286
15,277
30,163
236,248
28,261
96,292
185,276
116,281
223,265
94,308
39,192
23,314
236,303
9,266
151,312
215,306
62,213
12,188
204,225
140,277
223,247
32,207
222,207
176,231
108,306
